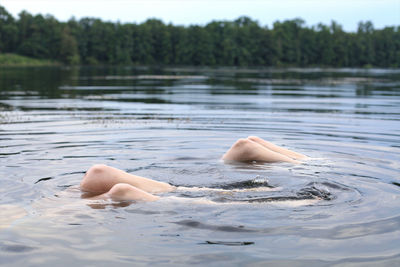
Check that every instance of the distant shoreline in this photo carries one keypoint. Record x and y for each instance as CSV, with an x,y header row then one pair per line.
x,y
242,42
16,60
11,60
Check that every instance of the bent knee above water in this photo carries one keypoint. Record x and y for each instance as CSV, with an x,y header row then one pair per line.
x,y
242,143
96,170
242,150
95,178
121,189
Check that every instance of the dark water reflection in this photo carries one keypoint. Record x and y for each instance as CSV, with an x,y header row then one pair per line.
x,y
173,125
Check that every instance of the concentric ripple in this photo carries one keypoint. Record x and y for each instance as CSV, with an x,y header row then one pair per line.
x,y
173,125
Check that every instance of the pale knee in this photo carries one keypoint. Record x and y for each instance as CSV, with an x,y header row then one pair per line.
x,y
90,180
123,191
244,146
119,190
242,150
241,143
96,170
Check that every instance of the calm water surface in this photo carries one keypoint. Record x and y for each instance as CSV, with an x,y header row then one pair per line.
x,y
173,125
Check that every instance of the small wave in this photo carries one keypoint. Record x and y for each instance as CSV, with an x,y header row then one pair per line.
x,y
312,191
257,183
208,189
248,184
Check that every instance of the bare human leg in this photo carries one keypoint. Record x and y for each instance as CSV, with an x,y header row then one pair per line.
x,y
100,179
278,149
257,149
121,192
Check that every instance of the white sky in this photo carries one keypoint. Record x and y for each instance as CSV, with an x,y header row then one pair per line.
x,y
185,12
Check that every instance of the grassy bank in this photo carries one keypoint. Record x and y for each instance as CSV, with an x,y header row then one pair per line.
x,y
17,60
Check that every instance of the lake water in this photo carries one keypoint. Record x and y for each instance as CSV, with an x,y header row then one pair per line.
x,y
173,124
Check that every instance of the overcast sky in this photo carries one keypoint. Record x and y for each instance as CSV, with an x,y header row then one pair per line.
x,y
186,12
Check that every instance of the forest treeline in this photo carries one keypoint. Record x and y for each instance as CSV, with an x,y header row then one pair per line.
x,y
242,42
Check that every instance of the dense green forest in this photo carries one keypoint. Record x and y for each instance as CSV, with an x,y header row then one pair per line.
x,y
242,42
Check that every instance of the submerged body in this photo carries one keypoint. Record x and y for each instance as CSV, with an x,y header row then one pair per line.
x,y
102,181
